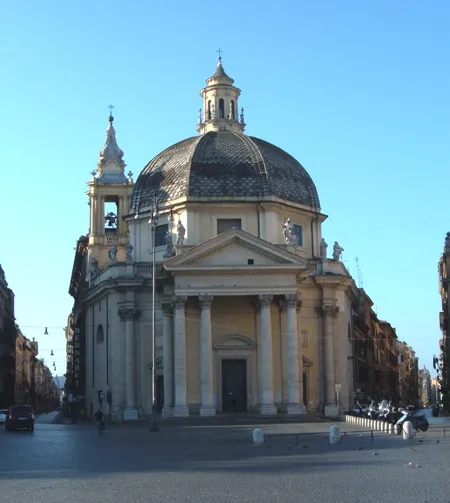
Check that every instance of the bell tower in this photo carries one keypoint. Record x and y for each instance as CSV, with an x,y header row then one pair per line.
x,y
109,193
220,104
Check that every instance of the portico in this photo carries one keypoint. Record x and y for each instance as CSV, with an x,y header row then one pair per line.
x,y
264,292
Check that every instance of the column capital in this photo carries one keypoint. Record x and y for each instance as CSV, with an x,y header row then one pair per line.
x,y
328,309
180,301
128,313
167,307
205,300
265,299
291,300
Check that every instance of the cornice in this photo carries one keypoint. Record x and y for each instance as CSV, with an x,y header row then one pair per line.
x,y
111,285
261,271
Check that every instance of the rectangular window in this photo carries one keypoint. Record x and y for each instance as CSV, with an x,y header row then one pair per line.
x,y
298,233
225,224
160,234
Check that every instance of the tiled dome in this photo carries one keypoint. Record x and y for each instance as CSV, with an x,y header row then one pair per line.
x,y
224,164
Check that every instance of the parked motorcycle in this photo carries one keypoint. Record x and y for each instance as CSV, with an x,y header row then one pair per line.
x,y
418,422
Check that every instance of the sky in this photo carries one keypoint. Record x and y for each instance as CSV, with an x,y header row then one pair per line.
x,y
356,91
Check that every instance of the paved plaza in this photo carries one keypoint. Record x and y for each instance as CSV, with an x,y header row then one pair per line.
x,y
73,463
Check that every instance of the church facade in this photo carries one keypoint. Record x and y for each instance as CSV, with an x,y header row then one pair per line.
x,y
249,313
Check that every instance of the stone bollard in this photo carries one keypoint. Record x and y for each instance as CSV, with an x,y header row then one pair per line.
x,y
335,434
385,425
258,437
397,429
408,431
390,428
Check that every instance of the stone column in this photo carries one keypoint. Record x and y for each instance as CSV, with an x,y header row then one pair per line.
x,y
92,209
180,409
294,367
128,315
267,406
206,358
329,311
168,359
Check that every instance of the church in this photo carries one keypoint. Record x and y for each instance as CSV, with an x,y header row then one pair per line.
x,y
209,289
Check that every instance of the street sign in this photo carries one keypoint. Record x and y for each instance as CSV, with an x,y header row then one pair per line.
x,y
338,388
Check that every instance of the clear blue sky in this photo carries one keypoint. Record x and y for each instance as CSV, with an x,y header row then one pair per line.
x,y
358,93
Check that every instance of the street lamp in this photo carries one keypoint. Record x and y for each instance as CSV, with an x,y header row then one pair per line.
x,y
153,222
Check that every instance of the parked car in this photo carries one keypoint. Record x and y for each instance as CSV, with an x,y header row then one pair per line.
x,y
20,417
3,414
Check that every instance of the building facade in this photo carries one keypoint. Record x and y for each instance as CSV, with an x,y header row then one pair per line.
x,y
250,312
25,355
8,335
425,392
444,343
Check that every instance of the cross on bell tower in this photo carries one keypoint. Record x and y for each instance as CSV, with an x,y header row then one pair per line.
x,y
109,192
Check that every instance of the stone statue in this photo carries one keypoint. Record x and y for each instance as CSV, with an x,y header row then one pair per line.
x,y
113,254
213,112
288,233
181,231
169,245
447,241
323,248
129,252
93,269
337,251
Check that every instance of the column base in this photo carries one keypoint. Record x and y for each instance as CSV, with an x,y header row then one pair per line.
x,y
167,411
332,410
130,414
180,411
267,410
296,409
207,410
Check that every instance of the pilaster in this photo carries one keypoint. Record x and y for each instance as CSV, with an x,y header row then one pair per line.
x,y
329,311
128,315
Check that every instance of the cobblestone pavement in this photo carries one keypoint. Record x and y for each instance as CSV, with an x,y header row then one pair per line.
x,y
73,463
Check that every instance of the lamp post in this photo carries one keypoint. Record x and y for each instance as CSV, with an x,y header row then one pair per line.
x,y
153,226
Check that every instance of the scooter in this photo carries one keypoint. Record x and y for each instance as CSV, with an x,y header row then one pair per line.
x,y
418,422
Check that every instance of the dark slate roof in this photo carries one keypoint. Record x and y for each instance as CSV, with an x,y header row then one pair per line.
x,y
224,164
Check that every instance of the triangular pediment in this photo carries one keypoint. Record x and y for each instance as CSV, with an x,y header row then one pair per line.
x,y
235,248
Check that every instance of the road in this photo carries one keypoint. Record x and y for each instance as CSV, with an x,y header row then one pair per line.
x,y
73,463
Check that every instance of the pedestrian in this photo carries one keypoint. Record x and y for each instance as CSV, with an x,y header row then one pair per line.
x,y
100,420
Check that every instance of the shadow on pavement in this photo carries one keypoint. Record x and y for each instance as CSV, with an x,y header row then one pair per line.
x,y
64,451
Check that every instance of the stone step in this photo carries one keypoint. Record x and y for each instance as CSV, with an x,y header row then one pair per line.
x,y
244,419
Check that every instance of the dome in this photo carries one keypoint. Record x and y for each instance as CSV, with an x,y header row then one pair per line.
x,y
224,164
